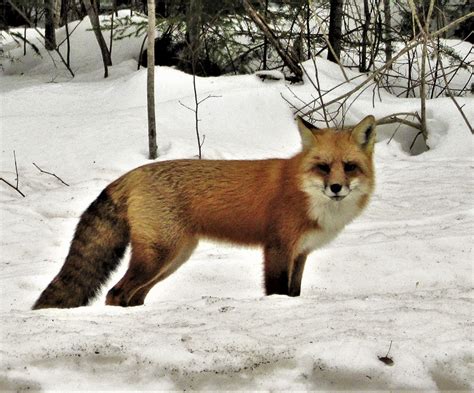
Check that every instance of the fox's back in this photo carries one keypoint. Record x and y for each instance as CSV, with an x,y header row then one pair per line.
x,y
215,198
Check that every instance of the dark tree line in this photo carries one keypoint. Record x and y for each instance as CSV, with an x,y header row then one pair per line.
x,y
220,48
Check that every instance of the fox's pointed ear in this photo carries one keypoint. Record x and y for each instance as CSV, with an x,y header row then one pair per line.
x,y
306,130
364,133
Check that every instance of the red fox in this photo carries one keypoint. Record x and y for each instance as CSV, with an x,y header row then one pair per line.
x,y
288,206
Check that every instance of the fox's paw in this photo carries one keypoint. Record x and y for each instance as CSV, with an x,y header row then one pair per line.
x,y
116,297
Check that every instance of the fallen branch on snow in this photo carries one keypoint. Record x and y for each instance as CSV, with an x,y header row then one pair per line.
x,y
17,178
52,174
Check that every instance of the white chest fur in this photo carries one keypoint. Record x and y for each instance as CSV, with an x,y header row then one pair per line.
x,y
331,217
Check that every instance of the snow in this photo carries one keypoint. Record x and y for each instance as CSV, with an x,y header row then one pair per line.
x,y
397,280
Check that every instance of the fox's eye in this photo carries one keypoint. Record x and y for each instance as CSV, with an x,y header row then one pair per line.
x,y
325,168
350,167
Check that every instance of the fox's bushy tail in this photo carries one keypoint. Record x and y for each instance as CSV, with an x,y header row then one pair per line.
x,y
99,243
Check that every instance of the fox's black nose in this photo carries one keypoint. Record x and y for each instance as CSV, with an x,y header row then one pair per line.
x,y
335,188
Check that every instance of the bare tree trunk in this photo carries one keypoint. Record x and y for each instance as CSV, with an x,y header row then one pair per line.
x,y
57,13
114,12
64,11
424,55
426,33
335,30
265,40
68,44
152,146
49,31
308,31
365,38
387,13
193,30
24,40
94,18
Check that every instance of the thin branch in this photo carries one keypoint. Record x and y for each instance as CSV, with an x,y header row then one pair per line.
x,y
206,98
389,348
450,95
394,119
51,174
71,32
12,186
196,111
294,95
16,169
393,134
414,140
187,107
17,178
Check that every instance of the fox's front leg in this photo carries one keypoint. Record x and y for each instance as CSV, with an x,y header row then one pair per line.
x,y
277,266
296,275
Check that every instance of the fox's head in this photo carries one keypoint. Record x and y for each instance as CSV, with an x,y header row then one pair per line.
x,y
337,163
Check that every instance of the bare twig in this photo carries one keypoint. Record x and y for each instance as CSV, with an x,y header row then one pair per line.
x,y
16,169
414,140
70,33
17,178
187,107
450,95
393,134
389,348
206,98
195,110
141,51
12,186
394,118
52,174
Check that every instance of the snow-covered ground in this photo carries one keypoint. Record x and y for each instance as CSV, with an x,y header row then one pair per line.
x,y
398,280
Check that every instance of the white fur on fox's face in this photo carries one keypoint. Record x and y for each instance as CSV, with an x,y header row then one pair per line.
x,y
355,188
336,192
332,211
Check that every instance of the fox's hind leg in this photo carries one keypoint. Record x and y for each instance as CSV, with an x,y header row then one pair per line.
x,y
146,262
149,264
183,255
